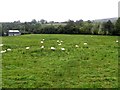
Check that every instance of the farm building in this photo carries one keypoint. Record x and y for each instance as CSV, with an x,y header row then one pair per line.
x,y
14,33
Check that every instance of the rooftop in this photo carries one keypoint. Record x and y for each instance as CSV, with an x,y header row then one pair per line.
x,y
13,31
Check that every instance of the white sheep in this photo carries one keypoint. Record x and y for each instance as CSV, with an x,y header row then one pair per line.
x,y
61,41
3,51
1,45
42,47
8,49
63,49
85,43
76,46
117,41
52,48
58,41
42,42
27,48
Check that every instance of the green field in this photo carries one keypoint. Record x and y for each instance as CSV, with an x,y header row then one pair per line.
x,y
92,66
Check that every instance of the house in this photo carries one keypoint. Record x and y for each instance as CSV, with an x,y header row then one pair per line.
x,y
14,33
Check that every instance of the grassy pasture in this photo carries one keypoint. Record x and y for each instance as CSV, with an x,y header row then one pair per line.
x,y
91,66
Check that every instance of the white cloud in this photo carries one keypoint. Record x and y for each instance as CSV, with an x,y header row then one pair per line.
x,y
57,10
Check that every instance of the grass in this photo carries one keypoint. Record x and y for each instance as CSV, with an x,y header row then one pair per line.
x,y
94,66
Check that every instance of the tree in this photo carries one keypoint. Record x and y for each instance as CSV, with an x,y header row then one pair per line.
x,y
117,27
70,22
42,21
60,29
79,23
95,28
86,28
17,21
108,27
34,21
71,28
1,32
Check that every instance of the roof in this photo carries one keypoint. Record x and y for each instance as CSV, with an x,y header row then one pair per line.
x,y
13,31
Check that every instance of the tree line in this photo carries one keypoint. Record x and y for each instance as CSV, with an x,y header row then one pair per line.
x,y
68,27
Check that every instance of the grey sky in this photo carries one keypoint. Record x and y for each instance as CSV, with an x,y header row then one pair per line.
x,y
57,10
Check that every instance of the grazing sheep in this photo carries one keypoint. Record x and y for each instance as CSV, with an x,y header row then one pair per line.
x,y
53,48
42,47
76,46
117,41
63,49
85,43
41,41
8,49
61,41
3,51
58,41
1,45
27,48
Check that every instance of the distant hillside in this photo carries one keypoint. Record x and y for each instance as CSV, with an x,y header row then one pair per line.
x,y
105,20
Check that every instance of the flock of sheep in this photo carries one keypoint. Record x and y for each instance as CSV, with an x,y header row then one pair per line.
x,y
4,50
52,48
59,44
42,47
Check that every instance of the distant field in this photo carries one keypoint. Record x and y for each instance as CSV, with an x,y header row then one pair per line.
x,y
94,65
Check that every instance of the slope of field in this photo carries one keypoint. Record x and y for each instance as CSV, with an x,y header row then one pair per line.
x,y
94,65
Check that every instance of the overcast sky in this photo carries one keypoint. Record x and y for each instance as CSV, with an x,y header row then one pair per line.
x,y
57,10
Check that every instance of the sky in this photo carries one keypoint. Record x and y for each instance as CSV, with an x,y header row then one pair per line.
x,y
57,10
